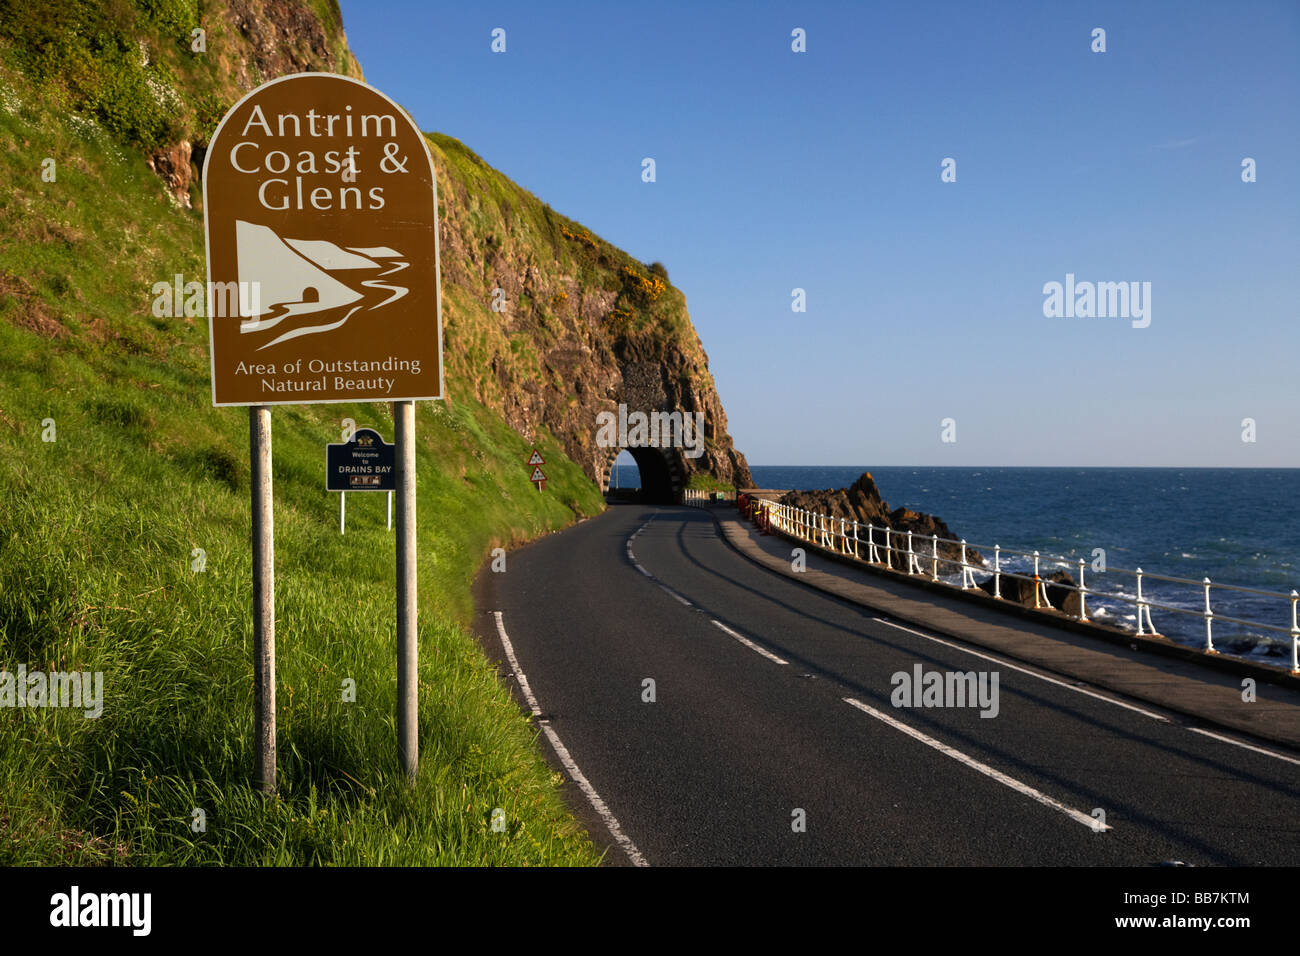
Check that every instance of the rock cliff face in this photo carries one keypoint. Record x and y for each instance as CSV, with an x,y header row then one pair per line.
x,y
863,503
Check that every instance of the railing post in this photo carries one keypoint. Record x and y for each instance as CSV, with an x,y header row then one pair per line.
x,y
1139,602
855,538
1295,634
872,554
844,539
965,571
997,571
1037,581
1083,594
911,557
1209,618
934,555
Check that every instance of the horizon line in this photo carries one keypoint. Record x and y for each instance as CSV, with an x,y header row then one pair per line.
x,y
1151,467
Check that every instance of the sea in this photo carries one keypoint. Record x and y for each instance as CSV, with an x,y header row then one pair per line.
x,y
1237,526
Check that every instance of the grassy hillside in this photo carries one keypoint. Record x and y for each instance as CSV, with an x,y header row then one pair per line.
x,y
97,535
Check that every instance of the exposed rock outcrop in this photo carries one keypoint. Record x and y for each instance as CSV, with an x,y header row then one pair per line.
x,y
1059,585
286,36
862,502
172,165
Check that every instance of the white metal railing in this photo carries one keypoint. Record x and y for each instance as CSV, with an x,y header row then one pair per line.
x,y
881,544
696,495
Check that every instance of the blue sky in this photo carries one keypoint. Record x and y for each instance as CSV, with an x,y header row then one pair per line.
x,y
821,170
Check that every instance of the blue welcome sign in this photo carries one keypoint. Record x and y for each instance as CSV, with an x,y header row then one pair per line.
x,y
366,463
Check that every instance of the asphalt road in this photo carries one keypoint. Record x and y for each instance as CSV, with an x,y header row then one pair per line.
x,y
750,725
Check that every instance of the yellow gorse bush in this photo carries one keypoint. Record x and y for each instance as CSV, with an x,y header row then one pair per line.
x,y
652,287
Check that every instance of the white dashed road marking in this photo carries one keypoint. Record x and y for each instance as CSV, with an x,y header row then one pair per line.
x,y
1243,744
750,644
1076,815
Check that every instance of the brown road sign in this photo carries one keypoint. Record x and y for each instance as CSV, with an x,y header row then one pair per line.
x,y
320,207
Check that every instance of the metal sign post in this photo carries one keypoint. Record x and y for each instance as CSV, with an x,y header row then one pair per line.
x,y
259,442
407,646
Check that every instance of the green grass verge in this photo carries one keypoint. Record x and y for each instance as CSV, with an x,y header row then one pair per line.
x,y
703,482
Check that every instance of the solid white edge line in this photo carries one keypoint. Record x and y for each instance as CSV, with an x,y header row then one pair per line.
x,y
750,644
1023,670
565,757
1243,744
998,775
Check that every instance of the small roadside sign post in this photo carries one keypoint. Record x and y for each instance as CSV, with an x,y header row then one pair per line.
x,y
320,220
538,477
364,463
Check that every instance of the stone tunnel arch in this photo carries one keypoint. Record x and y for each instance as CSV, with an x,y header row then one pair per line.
x,y
661,472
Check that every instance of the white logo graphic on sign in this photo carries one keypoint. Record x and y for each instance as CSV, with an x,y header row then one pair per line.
x,y
296,278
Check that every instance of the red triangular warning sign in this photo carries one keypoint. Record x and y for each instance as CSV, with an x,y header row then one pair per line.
x,y
537,475
536,458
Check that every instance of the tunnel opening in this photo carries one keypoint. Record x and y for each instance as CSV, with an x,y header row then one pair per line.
x,y
624,475
643,475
